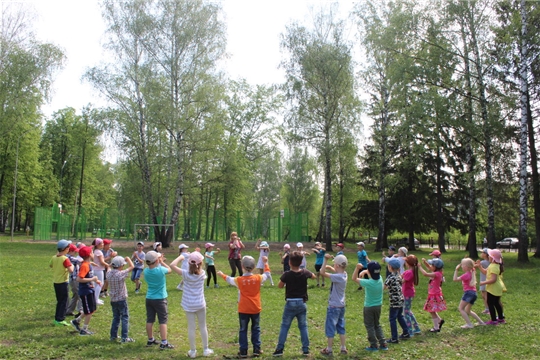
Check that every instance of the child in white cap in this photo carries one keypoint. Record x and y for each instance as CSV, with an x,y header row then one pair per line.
x,y
118,294
184,265
193,301
264,250
300,249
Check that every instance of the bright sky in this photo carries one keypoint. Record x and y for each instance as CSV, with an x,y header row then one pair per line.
x,y
253,26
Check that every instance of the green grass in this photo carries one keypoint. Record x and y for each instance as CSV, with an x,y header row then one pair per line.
x,y
27,305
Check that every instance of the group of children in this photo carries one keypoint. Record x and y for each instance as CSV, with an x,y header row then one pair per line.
x,y
78,265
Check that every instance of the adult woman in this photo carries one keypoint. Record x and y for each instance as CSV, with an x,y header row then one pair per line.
x,y
235,256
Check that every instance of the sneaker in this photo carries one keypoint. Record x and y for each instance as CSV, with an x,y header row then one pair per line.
x,y
180,287
383,347
360,288
216,286
152,342
416,332
114,339
321,285
64,323
305,353
242,354
208,287
501,321
278,352
192,353
137,291
127,340
99,302
467,326
491,322
405,336
372,348
208,352
257,352
102,295
86,332
166,346
76,324
343,351
326,352
392,341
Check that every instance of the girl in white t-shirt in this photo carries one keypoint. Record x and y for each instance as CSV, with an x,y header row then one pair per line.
x,y
99,268
193,301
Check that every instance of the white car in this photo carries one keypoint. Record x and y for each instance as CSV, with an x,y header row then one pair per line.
x,y
510,243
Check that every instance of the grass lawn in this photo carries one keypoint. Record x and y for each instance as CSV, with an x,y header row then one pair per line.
x,y
27,304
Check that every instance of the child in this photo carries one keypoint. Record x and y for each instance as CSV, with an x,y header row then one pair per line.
x,y
62,267
436,254
340,248
193,301
468,281
74,302
209,260
100,267
296,296
484,263
267,270
319,252
494,287
249,305
264,250
156,298
435,302
363,259
108,255
184,254
300,249
394,283
86,279
235,253
285,257
335,312
401,255
410,280
372,303
138,258
386,259
118,294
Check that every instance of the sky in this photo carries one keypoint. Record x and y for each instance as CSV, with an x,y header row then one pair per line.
x,y
253,27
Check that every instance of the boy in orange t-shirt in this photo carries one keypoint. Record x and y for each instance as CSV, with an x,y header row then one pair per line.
x,y
249,304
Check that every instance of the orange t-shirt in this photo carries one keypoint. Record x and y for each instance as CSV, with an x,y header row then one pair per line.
x,y
250,294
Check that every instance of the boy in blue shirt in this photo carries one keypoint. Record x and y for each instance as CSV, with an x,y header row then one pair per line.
x,y
372,303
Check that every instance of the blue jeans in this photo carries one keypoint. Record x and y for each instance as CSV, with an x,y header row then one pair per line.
x,y
120,312
294,309
396,313
255,331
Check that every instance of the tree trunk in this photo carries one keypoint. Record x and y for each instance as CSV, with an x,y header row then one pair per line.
x,y
328,198
440,225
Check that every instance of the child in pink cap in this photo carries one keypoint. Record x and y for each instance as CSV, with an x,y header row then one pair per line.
x,y
494,286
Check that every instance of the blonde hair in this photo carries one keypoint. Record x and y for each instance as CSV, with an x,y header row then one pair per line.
x,y
470,264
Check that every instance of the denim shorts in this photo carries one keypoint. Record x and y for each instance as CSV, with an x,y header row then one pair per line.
x,y
469,296
136,274
335,321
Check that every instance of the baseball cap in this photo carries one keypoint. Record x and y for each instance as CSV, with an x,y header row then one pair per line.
x,y
248,263
97,241
209,245
393,248
73,248
317,244
183,246
151,257
118,261
340,245
437,263
361,244
394,263
85,251
140,243
374,270
435,253
195,258
340,260
404,250
299,244
107,241
156,244
264,244
485,251
62,244
286,246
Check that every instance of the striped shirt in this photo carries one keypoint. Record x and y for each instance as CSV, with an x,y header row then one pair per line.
x,y
193,294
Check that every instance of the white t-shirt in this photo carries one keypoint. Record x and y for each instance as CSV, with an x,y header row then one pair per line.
x,y
97,254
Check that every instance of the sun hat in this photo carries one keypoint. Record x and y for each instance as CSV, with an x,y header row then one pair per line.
x,y
393,248
107,241
341,260
151,257
183,246
195,258
62,244
118,261
374,270
286,246
437,263
209,245
361,244
496,255
264,244
248,263
403,250
299,244
85,251
140,243
435,253
73,248
394,263
156,244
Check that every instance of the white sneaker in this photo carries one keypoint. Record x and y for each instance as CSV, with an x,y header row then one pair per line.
x,y
208,352
100,302
192,353
180,287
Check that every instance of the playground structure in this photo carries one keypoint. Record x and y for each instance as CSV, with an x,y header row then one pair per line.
x,y
51,223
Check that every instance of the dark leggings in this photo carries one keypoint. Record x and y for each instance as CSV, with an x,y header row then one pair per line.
x,y
211,270
235,264
494,304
